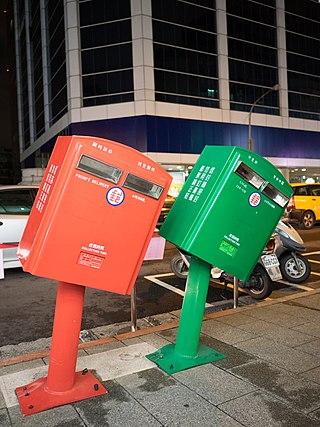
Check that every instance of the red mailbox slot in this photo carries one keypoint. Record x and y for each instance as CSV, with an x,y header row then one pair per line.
x,y
94,214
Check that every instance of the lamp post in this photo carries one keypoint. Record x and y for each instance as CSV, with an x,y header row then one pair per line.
x,y
276,87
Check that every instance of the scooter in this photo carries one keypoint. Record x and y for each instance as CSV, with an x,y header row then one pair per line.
x,y
260,283
295,268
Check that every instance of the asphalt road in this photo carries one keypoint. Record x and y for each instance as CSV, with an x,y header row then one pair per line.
x,y
27,303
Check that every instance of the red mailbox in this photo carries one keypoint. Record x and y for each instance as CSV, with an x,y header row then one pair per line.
x,y
94,214
90,225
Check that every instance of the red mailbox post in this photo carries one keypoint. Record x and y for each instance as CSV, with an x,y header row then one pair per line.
x,y
98,200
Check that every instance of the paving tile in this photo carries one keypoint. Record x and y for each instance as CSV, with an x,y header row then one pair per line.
x,y
313,375
280,355
312,347
297,391
312,301
257,326
132,341
169,335
315,415
8,383
81,353
155,340
213,383
4,418
104,347
235,357
4,370
273,315
235,319
309,328
225,333
289,337
63,416
2,402
264,410
171,403
295,308
109,365
117,408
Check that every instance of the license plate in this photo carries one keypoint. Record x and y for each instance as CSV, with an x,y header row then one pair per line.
x,y
270,260
271,264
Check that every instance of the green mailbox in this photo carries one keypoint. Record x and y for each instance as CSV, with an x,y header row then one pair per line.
x,y
228,208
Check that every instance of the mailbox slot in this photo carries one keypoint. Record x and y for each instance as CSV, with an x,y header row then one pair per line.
x,y
100,169
249,175
275,195
147,188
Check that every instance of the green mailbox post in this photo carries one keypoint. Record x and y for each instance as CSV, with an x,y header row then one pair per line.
x,y
224,216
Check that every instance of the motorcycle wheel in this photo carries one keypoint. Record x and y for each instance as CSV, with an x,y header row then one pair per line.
x,y
259,285
179,267
289,269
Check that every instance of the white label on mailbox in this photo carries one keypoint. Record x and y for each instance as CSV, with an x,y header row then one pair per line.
x,y
115,196
254,199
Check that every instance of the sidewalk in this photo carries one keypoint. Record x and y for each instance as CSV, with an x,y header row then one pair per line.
x,y
271,376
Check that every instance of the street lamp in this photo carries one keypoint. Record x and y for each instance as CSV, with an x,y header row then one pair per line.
x,y
276,87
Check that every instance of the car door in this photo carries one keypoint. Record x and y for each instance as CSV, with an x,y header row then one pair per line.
x,y
315,200
15,206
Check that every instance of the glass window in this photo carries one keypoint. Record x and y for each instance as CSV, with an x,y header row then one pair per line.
x,y
185,52
254,32
98,11
242,97
106,52
305,8
299,24
305,103
106,34
57,60
301,44
247,72
16,202
252,11
239,49
303,64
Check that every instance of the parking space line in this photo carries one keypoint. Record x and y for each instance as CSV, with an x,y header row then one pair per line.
x,y
312,253
314,261
171,288
314,273
293,285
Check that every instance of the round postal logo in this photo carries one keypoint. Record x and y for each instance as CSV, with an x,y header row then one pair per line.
x,y
115,196
254,199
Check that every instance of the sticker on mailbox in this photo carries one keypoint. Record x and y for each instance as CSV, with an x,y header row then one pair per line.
x,y
254,199
90,260
115,196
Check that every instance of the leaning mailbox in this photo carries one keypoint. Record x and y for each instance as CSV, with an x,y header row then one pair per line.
x,y
90,225
228,209
223,216
94,215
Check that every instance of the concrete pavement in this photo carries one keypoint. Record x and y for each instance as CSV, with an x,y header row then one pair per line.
x,y
271,376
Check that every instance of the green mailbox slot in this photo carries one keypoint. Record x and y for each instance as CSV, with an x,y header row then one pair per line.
x,y
228,208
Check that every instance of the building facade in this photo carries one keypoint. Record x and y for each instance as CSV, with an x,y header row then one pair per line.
x,y
168,77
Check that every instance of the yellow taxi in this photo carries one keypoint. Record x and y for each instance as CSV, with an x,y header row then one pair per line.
x,y
304,205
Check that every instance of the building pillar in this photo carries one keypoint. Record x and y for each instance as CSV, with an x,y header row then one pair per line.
x,y
222,48
73,58
282,58
142,55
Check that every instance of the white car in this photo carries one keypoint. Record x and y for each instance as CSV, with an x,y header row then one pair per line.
x,y
15,205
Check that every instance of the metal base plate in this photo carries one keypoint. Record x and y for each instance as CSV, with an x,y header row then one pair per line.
x,y
35,397
170,361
